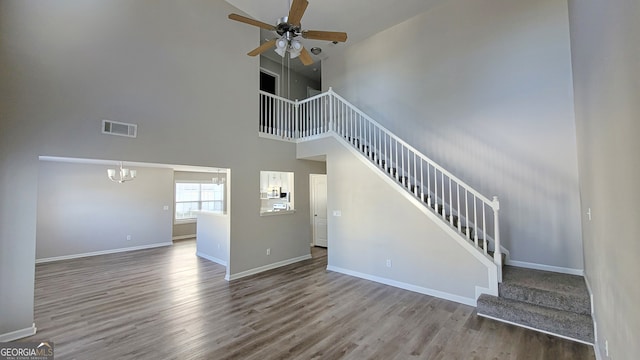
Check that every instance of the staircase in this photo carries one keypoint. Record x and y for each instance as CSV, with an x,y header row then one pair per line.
x,y
472,216
550,302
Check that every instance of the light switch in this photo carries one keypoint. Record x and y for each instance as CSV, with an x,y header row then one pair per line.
x,y
337,213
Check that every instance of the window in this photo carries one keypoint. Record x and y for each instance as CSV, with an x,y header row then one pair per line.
x,y
192,197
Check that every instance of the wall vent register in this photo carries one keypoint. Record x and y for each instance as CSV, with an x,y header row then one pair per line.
x,y
119,128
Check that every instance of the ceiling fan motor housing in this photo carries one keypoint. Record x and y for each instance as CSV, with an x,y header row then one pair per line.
x,y
284,27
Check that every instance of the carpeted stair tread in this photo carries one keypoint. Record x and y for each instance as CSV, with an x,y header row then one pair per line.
x,y
554,290
568,324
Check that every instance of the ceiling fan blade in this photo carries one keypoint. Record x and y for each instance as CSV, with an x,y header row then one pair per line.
x,y
250,21
325,35
297,10
262,48
305,57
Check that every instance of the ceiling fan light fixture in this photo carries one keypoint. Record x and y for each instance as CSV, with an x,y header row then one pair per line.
x,y
280,51
294,49
296,45
281,46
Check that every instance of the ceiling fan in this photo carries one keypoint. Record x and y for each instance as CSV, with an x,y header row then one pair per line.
x,y
288,29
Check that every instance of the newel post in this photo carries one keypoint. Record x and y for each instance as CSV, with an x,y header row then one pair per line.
x,y
497,255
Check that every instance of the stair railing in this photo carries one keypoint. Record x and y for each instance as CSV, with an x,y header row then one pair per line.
x,y
467,211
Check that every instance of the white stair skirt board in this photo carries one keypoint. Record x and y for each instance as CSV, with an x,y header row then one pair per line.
x,y
18,334
266,268
405,286
532,328
102,252
211,258
558,269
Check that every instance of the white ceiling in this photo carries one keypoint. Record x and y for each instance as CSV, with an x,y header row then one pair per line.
x,y
360,19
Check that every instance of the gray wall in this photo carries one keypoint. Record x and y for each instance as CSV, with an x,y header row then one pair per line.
x,y
213,237
485,89
606,54
81,211
298,82
422,254
167,66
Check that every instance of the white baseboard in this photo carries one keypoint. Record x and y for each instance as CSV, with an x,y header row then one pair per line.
x,y
596,350
558,269
405,286
534,329
211,258
18,334
266,267
183,237
102,252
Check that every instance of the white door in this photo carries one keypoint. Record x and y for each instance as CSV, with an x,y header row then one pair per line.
x,y
319,209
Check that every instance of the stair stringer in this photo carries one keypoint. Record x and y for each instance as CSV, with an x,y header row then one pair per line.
x,y
319,146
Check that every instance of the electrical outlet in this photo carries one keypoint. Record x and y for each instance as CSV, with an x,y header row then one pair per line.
x,y
218,246
388,263
128,237
165,208
268,251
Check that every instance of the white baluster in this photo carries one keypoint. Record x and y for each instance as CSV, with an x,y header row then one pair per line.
x,y
497,255
450,203
484,228
421,180
429,184
459,212
475,221
444,210
466,211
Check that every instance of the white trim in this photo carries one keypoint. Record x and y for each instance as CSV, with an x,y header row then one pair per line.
x,y
596,347
18,334
532,328
174,167
183,237
558,269
101,252
266,267
211,258
405,286
596,350
276,137
586,281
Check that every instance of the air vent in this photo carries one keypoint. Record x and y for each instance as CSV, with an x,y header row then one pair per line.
x,y
119,128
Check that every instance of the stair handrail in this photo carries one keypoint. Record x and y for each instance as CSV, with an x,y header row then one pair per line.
x,y
493,203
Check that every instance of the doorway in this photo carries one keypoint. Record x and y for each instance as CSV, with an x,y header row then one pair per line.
x,y
269,81
319,209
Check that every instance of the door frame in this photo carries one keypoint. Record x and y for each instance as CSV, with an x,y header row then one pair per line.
x,y
312,208
276,76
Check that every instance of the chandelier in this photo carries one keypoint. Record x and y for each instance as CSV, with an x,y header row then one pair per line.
x,y
123,174
218,179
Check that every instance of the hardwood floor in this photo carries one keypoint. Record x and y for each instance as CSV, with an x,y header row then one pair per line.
x,y
166,303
